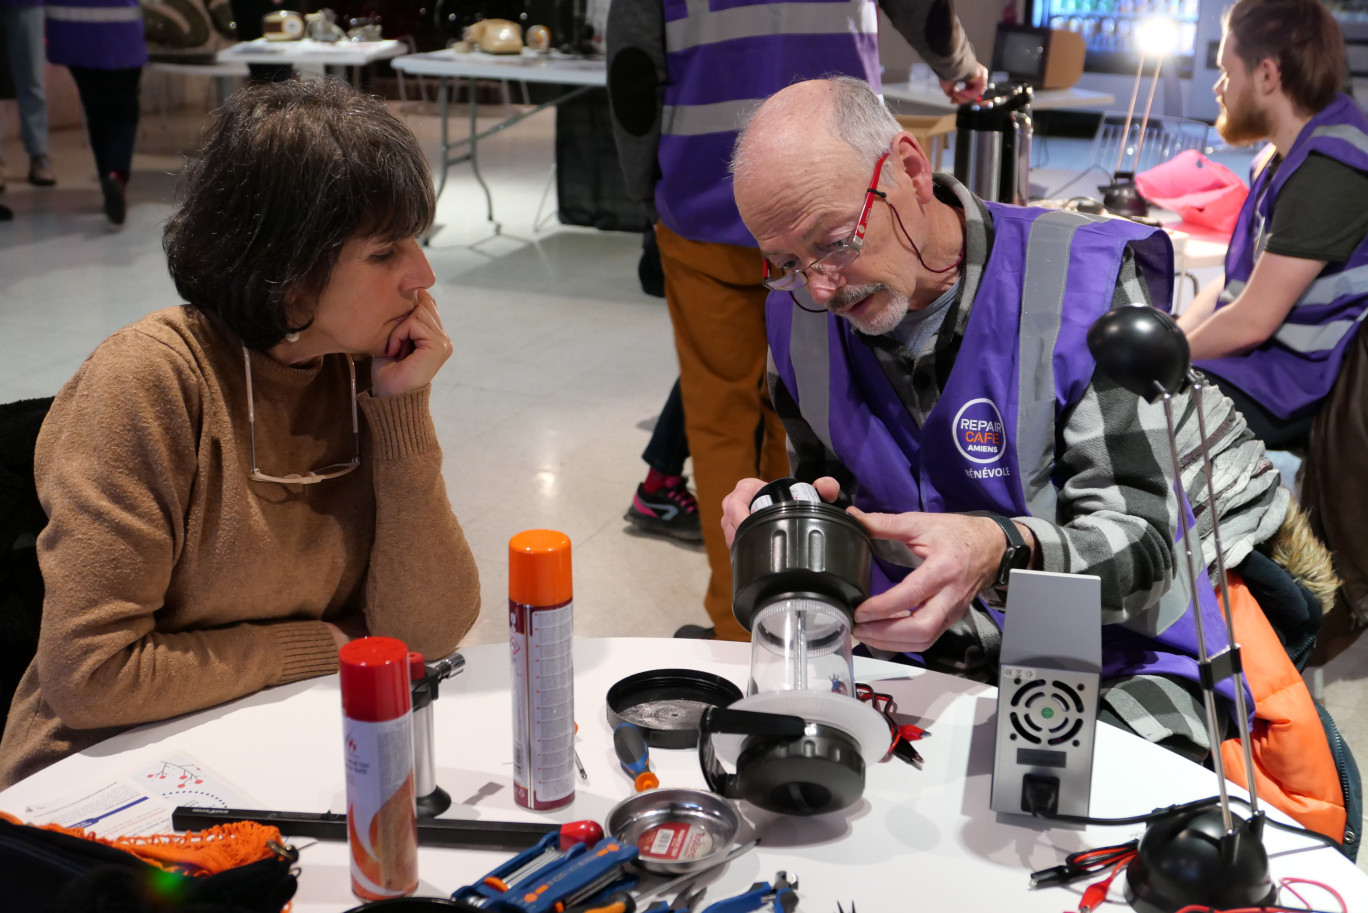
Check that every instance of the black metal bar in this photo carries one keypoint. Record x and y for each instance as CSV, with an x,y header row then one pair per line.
x,y
447,832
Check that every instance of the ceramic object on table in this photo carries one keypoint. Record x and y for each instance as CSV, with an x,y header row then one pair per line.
x,y
539,39
322,26
495,36
282,25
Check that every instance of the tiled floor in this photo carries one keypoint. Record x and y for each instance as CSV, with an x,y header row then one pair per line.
x,y
561,361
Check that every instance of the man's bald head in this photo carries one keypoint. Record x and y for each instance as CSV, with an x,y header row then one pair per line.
x,y
804,143
835,118
800,170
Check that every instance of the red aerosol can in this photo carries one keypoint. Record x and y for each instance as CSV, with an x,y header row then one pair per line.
x,y
377,731
541,643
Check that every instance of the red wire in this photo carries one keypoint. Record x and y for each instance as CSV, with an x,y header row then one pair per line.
x,y
885,704
1097,892
1199,908
1288,882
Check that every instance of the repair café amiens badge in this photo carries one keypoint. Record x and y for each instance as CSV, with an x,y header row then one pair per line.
x,y
981,438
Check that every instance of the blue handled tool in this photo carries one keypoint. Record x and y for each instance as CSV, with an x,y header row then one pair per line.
x,y
783,894
546,878
635,758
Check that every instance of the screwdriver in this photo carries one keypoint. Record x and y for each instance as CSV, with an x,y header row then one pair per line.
x,y
634,756
584,774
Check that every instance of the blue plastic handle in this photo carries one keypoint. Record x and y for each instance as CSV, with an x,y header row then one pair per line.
x,y
753,899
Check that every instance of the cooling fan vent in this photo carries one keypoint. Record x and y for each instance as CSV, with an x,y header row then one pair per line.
x,y
1047,711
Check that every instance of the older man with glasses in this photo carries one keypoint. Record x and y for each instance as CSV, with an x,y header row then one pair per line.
x,y
928,359
682,77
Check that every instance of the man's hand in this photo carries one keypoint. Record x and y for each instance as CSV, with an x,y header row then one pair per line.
x,y
960,556
736,506
972,87
417,348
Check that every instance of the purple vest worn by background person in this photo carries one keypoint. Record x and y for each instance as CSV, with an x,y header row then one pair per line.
x,y
724,57
1293,370
99,34
989,443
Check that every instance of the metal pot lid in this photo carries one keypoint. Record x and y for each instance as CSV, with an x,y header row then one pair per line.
x,y
852,716
665,704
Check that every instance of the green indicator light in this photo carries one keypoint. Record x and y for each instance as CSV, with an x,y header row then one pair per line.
x,y
1047,712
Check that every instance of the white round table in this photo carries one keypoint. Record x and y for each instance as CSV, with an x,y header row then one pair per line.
x,y
922,838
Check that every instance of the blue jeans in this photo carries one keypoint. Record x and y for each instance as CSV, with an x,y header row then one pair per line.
x,y
23,30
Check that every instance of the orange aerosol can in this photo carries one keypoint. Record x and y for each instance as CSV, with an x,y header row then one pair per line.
x,y
541,643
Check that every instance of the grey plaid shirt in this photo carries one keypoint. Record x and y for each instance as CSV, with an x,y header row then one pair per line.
x,y
1116,511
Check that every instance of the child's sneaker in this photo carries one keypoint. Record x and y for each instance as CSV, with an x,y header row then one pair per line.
x,y
671,510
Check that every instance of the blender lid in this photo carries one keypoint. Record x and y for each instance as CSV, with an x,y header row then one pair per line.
x,y
665,704
850,715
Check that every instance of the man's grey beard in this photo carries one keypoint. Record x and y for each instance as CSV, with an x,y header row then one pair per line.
x,y
875,324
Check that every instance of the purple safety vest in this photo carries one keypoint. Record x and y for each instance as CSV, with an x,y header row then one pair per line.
x,y
99,34
989,440
724,57
1293,370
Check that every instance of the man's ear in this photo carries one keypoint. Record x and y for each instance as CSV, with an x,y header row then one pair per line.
x,y
1267,77
918,168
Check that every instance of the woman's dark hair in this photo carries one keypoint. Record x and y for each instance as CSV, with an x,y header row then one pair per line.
x,y
1301,37
288,174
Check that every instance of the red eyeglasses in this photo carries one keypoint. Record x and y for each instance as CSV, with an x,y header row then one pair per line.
x,y
844,253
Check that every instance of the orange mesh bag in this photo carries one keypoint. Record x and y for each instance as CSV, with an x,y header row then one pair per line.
x,y
240,867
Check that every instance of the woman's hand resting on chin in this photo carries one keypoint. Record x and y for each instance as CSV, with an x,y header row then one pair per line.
x,y
417,348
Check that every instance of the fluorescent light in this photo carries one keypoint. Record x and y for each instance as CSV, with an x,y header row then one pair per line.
x,y
1156,36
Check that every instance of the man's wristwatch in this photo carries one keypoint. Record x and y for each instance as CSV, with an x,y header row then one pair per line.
x,y
1018,553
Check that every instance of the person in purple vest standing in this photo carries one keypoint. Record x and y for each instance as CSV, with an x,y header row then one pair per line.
x,y
928,358
1273,331
682,77
101,42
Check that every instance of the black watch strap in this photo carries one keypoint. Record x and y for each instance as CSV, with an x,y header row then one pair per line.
x,y
1017,554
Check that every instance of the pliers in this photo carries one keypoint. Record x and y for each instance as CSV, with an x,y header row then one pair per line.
x,y
684,903
783,894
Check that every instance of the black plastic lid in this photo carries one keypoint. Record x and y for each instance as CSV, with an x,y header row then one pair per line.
x,y
666,703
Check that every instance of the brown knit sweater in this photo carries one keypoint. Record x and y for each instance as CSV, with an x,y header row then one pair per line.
x,y
174,582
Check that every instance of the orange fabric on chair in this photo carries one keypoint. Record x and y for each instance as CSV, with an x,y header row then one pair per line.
x,y
1293,767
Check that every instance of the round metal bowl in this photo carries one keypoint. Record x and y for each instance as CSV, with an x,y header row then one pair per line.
x,y
675,830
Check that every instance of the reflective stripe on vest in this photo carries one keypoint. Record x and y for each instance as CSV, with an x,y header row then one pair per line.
x,y
1345,132
696,120
1042,304
810,337
1307,338
704,25
95,13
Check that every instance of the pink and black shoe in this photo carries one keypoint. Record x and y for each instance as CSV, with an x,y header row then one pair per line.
x,y
671,510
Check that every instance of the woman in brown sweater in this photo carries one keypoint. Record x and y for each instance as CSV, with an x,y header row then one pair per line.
x,y
237,486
